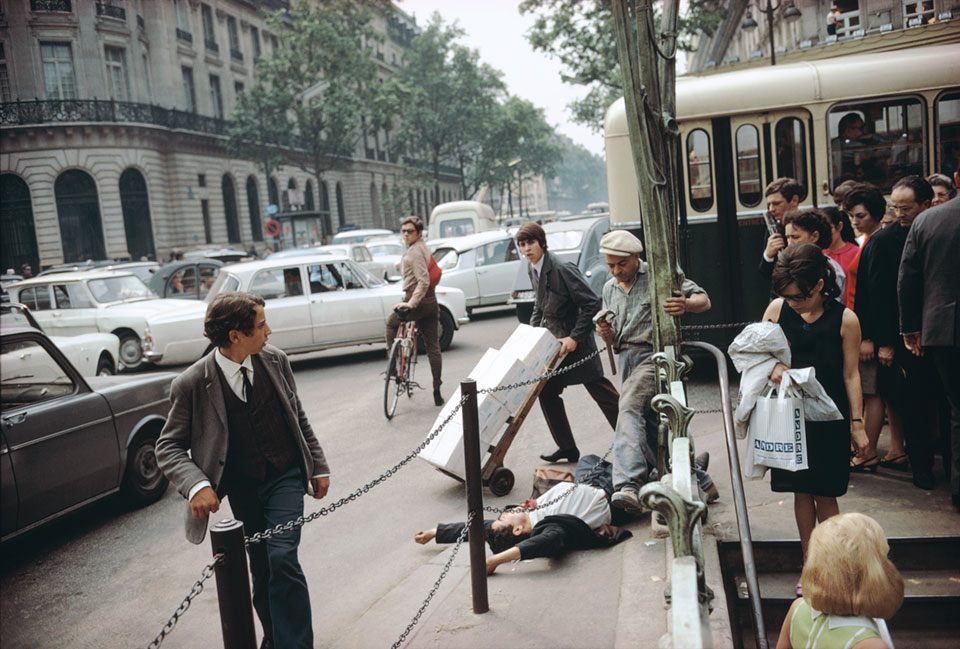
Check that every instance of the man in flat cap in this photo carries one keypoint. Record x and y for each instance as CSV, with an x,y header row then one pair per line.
x,y
630,333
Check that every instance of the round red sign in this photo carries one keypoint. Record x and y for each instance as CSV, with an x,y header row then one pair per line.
x,y
272,227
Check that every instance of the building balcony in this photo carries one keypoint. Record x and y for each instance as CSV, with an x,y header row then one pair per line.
x,y
141,23
111,11
51,5
211,46
184,36
236,55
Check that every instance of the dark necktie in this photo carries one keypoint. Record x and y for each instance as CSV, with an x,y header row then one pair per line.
x,y
536,276
247,386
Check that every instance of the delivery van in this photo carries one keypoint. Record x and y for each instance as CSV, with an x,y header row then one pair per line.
x,y
458,218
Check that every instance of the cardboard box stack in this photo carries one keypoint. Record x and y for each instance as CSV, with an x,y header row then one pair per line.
x,y
523,356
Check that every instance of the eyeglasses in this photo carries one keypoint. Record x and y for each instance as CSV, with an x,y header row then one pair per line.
x,y
800,297
407,230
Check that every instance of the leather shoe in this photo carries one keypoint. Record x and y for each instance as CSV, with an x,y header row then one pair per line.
x,y
437,399
702,460
924,480
569,455
628,500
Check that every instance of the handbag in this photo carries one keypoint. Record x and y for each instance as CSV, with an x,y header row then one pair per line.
x,y
777,435
545,478
434,271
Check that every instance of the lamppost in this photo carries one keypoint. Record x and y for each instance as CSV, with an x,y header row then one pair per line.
x,y
790,13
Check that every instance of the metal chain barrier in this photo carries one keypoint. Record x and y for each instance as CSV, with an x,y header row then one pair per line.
x,y
722,325
436,584
185,604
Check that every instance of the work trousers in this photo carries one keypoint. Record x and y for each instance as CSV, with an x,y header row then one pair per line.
x,y
551,403
427,316
280,594
633,457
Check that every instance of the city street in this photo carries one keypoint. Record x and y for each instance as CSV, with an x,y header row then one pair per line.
x,y
107,576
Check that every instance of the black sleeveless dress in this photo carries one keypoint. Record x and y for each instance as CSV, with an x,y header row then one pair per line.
x,y
819,344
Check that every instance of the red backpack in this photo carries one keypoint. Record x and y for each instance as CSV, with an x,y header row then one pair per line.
x,y
434,271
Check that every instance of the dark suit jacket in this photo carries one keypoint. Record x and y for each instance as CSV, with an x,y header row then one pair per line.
x,y
565,305
193,443
876,303
929,281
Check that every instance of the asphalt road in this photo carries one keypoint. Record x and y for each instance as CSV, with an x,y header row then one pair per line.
x,y
111,577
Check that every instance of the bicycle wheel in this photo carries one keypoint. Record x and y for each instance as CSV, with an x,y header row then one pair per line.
x,y
411,364
393,382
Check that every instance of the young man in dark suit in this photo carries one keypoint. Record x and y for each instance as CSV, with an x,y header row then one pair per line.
x,y
236,428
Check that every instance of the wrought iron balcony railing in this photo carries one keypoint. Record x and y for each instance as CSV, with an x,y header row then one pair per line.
x,y
104,9
50,5
141,23
211,45
184,36
236,55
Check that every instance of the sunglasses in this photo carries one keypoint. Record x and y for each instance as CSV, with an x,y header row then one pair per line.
x,y
407,230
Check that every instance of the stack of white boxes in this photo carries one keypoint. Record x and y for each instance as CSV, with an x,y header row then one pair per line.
x,y
524,356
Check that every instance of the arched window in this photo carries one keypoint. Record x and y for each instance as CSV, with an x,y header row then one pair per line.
x,y
273,192
253,207
136,215
308,203
375,206
325,208
341,217
18,236
230,209
78,210
387,205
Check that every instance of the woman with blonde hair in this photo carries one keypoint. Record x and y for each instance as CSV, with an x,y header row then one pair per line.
x,y
847,581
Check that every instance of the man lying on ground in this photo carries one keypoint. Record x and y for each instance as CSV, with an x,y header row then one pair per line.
x,y
578,520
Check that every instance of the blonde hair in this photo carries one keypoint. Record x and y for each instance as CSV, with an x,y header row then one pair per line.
x,y
847,571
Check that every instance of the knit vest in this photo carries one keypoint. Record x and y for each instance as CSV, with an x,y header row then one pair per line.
x,y
259,435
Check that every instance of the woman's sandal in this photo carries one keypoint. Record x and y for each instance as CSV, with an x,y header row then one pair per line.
x,y
898,463
862,467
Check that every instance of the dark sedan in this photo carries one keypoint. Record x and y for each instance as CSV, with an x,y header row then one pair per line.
x,y
66,440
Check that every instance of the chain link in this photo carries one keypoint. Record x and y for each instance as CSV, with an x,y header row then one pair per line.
x,y
436,584
722,325
197,588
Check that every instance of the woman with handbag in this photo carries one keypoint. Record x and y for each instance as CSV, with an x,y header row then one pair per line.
x,y
825,335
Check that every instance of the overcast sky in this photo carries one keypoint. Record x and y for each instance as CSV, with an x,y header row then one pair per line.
x,y
496,28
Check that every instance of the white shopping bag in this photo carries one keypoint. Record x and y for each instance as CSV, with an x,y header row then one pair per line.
x,y
777,437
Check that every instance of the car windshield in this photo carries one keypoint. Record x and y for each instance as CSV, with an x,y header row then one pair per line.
x,y
384,249
113,289
446,258
565,240
368,278
224,282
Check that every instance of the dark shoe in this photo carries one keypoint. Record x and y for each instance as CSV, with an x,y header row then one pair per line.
x,y
924,480
437,399
702,461
569,455
860,467
712,494
266,644
898,463
628,500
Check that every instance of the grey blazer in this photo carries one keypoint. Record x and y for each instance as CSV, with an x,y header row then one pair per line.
x,y
193,444
929,281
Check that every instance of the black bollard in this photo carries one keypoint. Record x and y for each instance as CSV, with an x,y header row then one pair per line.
x,y
233,586
474,483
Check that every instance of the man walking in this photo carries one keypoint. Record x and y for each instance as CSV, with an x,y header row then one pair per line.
x,y
236,428
565,305
419,297
929,293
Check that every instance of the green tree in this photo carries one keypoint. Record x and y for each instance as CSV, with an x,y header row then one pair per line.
x,y
581,179
581,35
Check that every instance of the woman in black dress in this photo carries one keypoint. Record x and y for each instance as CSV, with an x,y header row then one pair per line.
x,y
824,334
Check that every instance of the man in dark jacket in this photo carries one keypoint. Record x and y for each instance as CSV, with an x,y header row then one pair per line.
x,y
565,305
929,291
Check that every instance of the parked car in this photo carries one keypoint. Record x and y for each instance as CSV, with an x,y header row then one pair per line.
x,y
483,266
226,255
358,235
575,239
460,218
312,303
106,301
6,280
142,269
75,266
188,279
388,250
67,441
91,354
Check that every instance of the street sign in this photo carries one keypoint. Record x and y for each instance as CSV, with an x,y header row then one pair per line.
x,y
272,227
272,209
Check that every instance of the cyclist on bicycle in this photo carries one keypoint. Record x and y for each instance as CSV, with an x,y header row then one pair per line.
x,y
419,297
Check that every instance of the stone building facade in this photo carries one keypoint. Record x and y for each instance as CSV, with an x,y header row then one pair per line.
x,y
113,123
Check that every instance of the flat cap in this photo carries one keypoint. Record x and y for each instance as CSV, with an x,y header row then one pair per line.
x,y
620,243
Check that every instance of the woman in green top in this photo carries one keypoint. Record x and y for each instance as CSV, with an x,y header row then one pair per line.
x,y
847,581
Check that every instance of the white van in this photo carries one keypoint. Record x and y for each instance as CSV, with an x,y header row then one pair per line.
x,y
459,218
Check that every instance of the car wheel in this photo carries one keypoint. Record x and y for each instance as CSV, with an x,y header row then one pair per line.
x,y
143,481
447,327
131,351
105,366
524,311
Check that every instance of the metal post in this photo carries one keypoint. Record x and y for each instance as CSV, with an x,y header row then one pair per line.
x,y
769,11
233,586
474,483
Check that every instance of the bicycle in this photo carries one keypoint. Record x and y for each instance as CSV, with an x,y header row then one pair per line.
x,y
402,363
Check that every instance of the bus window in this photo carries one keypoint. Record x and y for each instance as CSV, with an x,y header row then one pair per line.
x,y
878,142
948,132
792,152
748,165
698,168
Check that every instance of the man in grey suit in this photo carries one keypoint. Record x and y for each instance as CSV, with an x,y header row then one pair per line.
x,y
929,291
236,428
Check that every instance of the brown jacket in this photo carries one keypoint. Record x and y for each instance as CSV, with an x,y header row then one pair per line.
x,y
416,278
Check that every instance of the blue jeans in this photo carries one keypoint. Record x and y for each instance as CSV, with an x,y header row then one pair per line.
x,y
280,593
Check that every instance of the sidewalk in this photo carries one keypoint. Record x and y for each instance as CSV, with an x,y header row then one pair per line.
x,y
614,597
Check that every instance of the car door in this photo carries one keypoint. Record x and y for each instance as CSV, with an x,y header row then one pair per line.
x,y
74,310
342,308
61,442
8,490
496,264
286,305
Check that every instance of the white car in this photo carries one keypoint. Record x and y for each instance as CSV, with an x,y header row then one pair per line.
x,y
388,250
359,236
355,251
108,301
483,265
312,303
91,354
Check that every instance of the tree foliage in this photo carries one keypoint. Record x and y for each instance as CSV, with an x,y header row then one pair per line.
x,y
581,178
581,35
